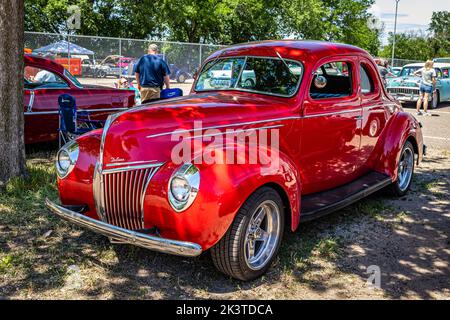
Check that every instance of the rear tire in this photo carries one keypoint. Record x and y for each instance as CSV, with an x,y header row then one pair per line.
x,y
405,171
242,253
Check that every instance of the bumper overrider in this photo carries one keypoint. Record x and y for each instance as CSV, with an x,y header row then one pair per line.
x,y
155,243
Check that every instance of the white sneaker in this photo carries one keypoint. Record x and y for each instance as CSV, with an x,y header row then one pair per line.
x,y
428,114
419,113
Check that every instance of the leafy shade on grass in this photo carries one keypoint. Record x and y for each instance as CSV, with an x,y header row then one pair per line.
x,y
21,218
27,194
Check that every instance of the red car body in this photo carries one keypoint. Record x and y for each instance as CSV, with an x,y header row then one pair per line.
x,y
325,145
41,101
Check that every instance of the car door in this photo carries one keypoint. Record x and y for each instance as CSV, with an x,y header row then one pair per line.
x,y
331,123
445,85
374,111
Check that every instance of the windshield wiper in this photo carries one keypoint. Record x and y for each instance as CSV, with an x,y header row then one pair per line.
x,y
285,63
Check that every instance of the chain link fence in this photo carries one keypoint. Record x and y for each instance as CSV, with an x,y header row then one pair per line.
x,y
400,62
103,60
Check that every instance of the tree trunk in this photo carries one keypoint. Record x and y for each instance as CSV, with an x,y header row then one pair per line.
x,y
12,146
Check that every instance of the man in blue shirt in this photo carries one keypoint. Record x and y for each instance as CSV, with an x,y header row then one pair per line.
x,y
152,72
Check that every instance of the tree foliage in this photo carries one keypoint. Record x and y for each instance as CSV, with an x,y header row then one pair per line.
x,y
212,21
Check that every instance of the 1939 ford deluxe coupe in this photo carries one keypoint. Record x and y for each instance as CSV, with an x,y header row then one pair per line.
x,y
227,167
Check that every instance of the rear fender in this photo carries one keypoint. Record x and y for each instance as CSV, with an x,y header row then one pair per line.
x,y
400,127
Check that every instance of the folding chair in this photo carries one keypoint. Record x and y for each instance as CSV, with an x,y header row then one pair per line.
x,y
73,123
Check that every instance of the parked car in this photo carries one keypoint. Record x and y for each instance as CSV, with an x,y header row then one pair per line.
x,y
180,74
442,60
340,138
113,65
405,88
45,81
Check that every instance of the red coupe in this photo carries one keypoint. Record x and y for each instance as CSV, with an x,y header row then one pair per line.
x,y
45,80
289,132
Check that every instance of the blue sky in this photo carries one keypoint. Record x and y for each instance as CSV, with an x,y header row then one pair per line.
x,y
412,14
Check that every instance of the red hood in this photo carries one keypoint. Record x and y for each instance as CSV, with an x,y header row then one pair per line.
x,y
144,133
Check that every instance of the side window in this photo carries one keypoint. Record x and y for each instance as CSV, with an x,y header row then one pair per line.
x,y
445,73
332,80
367,84
41,78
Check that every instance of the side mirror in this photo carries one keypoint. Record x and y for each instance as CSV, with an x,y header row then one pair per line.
x,y
320,82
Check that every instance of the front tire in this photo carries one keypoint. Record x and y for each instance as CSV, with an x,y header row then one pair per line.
x,y
405,171
248,248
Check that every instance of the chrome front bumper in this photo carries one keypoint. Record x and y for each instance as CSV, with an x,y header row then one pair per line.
x,y
179,248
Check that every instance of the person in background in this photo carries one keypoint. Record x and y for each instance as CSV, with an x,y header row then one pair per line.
x,y
384,71
152,73
44,76
123,83
427,85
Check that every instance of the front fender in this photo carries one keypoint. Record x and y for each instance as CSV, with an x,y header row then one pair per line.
x,y
223,190
400,127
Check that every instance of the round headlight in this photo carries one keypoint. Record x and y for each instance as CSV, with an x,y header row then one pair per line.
x,y
180,189
66,159
183,187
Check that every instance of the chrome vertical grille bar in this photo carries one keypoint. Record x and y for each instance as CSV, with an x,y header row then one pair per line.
x,y
123,193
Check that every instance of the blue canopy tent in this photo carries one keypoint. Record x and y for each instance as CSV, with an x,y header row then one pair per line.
x,y
64,47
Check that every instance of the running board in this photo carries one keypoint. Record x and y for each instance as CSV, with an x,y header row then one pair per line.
x,y
319,204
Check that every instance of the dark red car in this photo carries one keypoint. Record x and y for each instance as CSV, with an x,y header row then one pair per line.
x,y
45,80
290,131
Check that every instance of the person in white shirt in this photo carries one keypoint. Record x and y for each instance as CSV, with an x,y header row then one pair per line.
x,y
44,76
427,86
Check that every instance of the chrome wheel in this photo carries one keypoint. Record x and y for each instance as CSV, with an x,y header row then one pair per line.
x,y
405,168
262,235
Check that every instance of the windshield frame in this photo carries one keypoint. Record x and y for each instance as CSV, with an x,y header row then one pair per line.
x,y
245,57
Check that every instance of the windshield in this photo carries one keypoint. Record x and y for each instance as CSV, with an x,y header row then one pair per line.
x,y
256,74
409,71
72,79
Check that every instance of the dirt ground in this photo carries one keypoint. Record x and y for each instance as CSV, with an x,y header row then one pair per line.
x,y
42,257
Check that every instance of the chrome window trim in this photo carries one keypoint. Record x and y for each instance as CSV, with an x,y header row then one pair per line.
x,y
31,102
252,91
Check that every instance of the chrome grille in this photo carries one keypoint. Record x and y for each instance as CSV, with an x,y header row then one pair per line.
x,y
122,194
403,90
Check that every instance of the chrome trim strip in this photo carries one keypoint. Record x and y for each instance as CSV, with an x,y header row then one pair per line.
x,y
131,168
29,113
225,126
331,113
116,164
175,247
236,131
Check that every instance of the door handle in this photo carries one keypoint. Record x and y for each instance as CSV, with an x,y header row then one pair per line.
x,y
358,117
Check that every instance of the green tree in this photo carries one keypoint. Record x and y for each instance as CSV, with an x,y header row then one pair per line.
x,y
440,31
114,18
410,45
